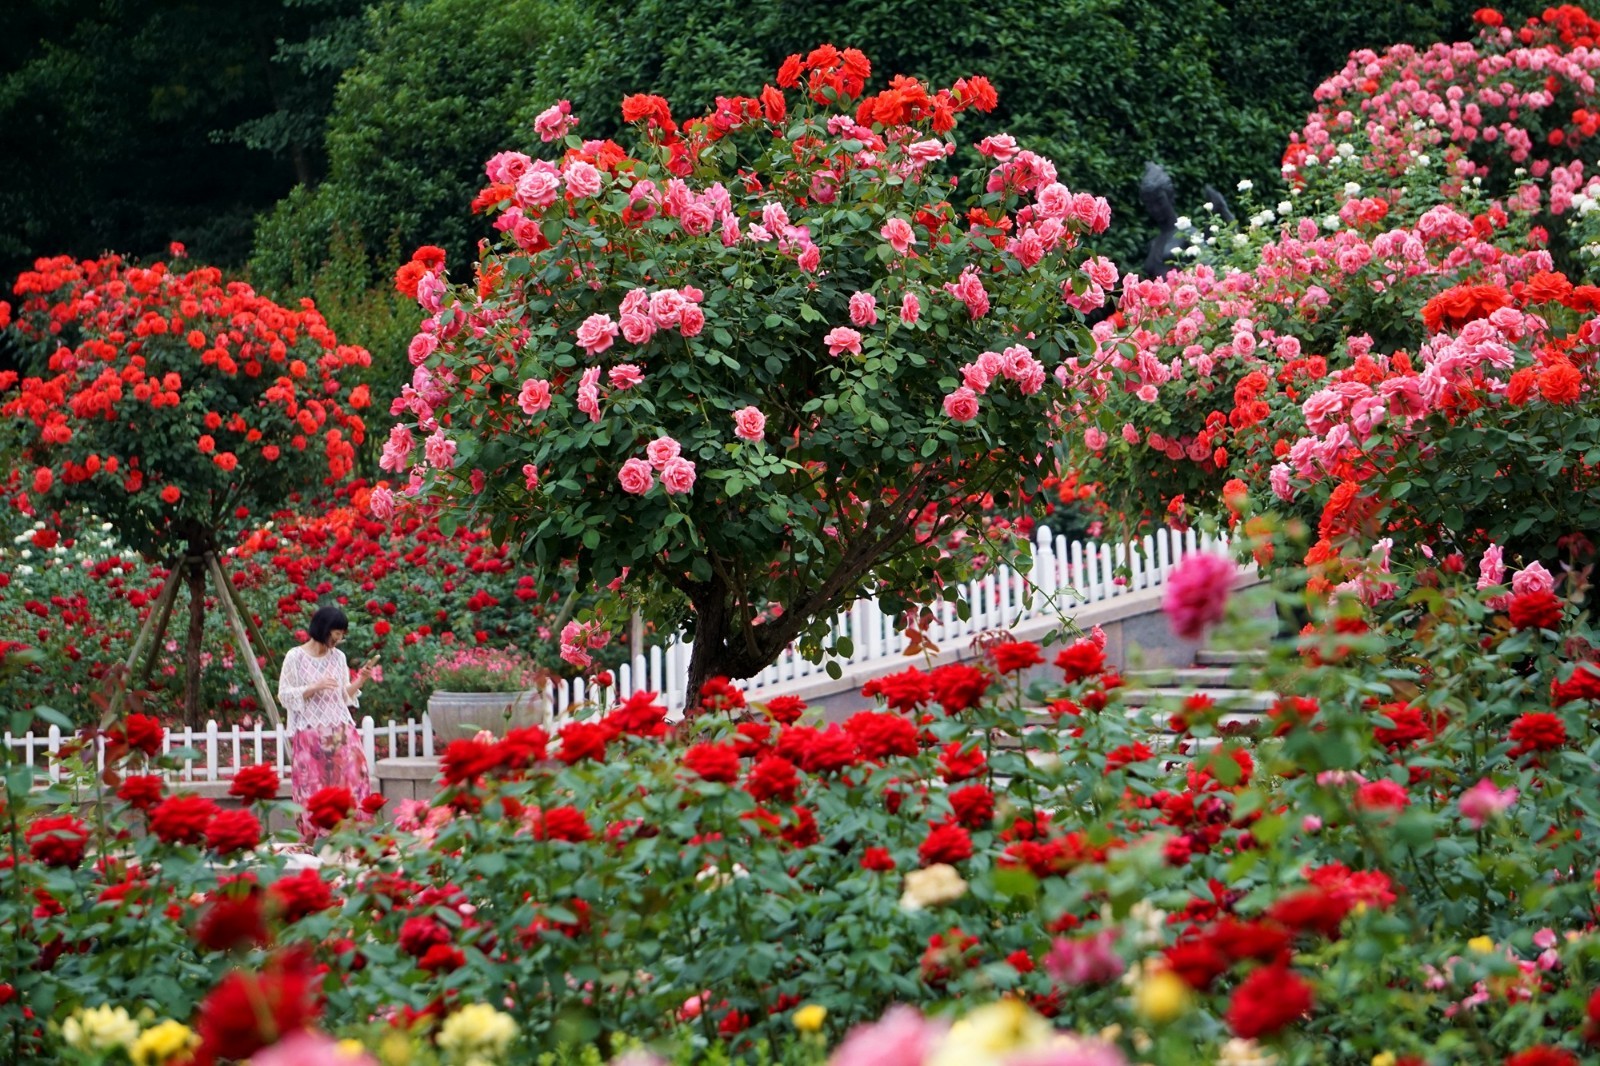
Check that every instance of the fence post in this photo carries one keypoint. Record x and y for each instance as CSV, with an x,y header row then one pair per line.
x,y
53,747
427,734
211,750
369,742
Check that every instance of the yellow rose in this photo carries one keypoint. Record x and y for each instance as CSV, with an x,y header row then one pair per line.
x,y
1384,1058
1161,997
160,1044
100,1029
395,1049
475,1028
932,885
988,1033
809,1019
1481,944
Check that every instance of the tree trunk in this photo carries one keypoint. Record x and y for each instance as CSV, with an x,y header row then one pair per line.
x,y
191,652
712,624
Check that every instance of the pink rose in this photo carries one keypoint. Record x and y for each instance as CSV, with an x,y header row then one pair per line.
x,y
662,451
1532,578
430,293
589,393
530,476
1147,393
691,320
841,339
749,424
381,503
440,450
422,346
555,121
638,328
625,376
810,259
677,477
635,477
538,188
583,180
596,334
899,234
863,309
1130,434
962,405
1483,801
1492,569
1094,438
910,308
535,396
1197,594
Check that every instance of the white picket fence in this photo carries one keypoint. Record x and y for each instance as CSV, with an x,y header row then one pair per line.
x,y
1065,575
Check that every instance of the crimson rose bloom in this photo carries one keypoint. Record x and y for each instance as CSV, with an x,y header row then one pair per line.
x,y
958,686
905,691
466,760
141,791
772,777
58,841
419,934
255,783
327,807
232,922
1537,731
1584,684
583,740
1381,795
786,709
1267,1000
182,819
713,762
231,831
299,895
1081,659
249,1011
1536,609
1542,1055
946,843
1015,655
142,732
563,823
1314,910
974,806
878,735
879,860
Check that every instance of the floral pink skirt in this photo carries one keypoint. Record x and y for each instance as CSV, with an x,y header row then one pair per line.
x,y
326,760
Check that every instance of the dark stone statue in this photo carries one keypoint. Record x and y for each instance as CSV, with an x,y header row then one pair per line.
x,y
1160,201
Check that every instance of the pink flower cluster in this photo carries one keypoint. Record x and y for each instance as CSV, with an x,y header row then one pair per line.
x,y
637,476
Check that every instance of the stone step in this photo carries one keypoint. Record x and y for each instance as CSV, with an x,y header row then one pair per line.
x,y
1219,657
1233,699
1188,677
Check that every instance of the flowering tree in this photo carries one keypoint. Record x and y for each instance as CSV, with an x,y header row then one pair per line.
x,y
173,405
757,366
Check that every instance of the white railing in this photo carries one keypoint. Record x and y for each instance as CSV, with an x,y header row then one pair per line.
x,y
1065,575
221,751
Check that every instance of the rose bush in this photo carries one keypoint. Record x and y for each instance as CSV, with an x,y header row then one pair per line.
x,y
754,366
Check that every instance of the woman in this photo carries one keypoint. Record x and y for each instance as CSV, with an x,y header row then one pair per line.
x,y
317,691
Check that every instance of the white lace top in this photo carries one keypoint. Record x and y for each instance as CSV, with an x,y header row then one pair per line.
x,y
323,710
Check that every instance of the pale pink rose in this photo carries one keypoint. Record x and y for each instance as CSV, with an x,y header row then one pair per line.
x,y
1130,434
677,477
863,309
637,328
925,152
666,307
440,450
698,218
1492,569
530,476
1197,594
910,309
381,503
1002,146
1095,439
1147,393
583,180
507,167
810,259
589,393
899,234
430,293
538,188
635,477
1102,272
961,405
841,339
749,424
625,376
1483,801
409,815
577,656
555,121
635,302
305,1048
662,451
902,1037
396,450
691,320
1055,201
1088,960
535,396
1278,478
759,233
774,218
1532,578
596,334
422,346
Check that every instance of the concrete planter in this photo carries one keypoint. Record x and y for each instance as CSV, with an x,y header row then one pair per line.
x,y
460,715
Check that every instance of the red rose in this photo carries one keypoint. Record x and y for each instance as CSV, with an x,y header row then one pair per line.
x,y
141,791
1081,659
1537,731
879,860
1267,1000
956,764
230,922
1313,910
521,748
905,691
467,760
1542,1055
772,777
231,831
878,735
1535,609
250,1011
1584,684
958,686
563,823
946,843
973,806
1197,962
171,494
720,694
1382,795
713,762
1238,941
300,894
420,933
1015,655
1561,383
142,733
442,958
583,740
639,715
786,709
58,841
182,819
327,807
254,783
374,802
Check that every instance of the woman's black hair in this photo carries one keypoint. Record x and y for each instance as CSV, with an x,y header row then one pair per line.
x,y
325,621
